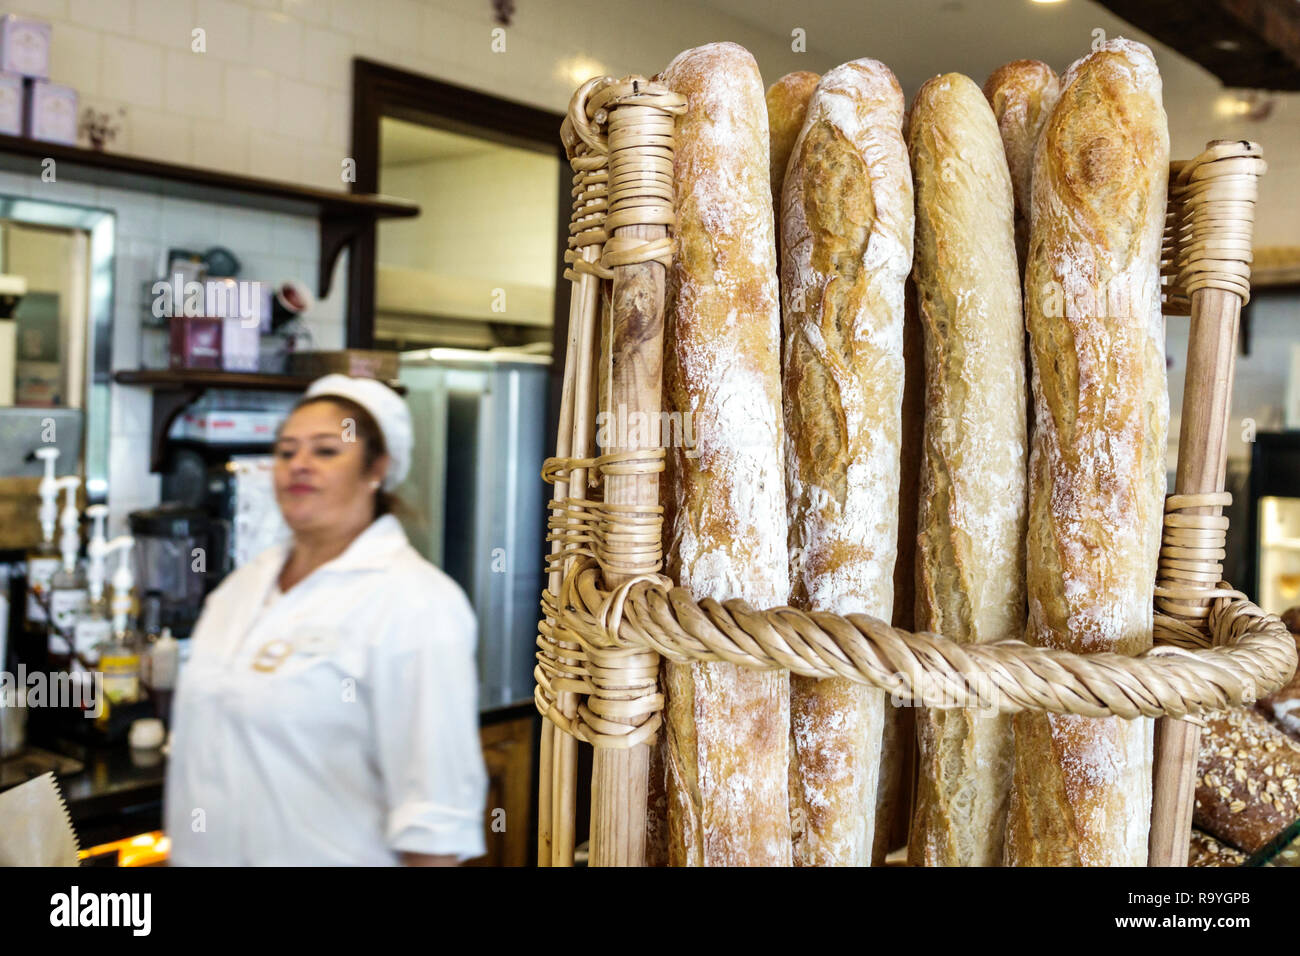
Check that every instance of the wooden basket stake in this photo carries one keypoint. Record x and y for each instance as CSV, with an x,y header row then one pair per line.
x,y
1202,467
640,139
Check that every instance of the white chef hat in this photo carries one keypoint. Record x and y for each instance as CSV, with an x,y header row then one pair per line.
x,y
388,410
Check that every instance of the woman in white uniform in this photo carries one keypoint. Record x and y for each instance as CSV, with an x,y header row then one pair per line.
x,y
328,712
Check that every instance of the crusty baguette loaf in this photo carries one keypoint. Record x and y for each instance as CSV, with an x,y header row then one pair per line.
x,y
728,727
1205,850
1247,779
970,561
787,106
1081,789
1022,94
894,790
847,247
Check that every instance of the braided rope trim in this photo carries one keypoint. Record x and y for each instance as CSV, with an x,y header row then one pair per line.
x,y
1253,653
1239,652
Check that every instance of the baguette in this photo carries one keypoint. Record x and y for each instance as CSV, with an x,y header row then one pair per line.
x,y
970,559
728,727
1081,790
1247,779
894,791
1022,95
847,247
787,106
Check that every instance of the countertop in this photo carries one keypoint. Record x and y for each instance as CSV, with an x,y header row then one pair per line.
x,y
118,792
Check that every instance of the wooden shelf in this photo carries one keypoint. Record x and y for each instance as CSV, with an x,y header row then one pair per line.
x,y
211,378
342,215
176,389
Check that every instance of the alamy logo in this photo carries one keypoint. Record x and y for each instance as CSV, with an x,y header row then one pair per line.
x,y
74,908
59,689
233,299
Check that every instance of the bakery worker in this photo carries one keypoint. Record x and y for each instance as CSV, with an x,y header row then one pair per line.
x,y
328,712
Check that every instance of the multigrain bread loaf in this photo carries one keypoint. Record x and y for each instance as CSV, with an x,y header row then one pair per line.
x,y
1247,779
1205,850
970,560
1282,706
846,250
787,106
728,728
1022,94
1081,788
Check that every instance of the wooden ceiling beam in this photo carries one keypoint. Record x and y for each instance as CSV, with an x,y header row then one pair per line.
x,y
1250,44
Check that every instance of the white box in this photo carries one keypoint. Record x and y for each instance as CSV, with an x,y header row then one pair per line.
x,y
239,427
24,46
11,104
240,345
51,112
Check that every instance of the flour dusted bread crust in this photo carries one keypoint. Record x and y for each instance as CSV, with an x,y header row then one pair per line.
x,y
728,728
787,106
846,218
1081,789
1022,94
898,742
970,560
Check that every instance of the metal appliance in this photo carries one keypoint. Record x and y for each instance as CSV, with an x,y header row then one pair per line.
x,y
477,496
1273,552
179,555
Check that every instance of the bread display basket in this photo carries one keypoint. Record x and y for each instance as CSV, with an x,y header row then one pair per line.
x,y
610,614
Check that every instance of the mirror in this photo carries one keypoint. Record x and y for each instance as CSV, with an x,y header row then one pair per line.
x,y
56,296
45,274
476,268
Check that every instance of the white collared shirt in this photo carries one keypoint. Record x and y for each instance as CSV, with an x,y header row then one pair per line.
x,y
336,725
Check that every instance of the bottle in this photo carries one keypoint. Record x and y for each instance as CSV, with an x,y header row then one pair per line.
x,y
94,626
44,559
164,659
149,631
68,585
119,656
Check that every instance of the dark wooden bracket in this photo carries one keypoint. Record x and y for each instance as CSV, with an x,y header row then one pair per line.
x,y
336,234
167,405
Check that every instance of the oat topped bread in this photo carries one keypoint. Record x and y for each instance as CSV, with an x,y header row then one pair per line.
x,y
1248,779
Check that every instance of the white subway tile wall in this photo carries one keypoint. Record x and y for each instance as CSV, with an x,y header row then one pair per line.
x,y
205,81
270,246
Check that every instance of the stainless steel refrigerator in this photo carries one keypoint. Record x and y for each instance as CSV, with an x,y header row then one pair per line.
x,y
477,497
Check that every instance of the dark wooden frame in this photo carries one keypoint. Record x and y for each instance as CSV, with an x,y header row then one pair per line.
x,y
1252,44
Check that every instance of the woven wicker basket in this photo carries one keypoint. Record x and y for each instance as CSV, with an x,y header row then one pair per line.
x,y
610,615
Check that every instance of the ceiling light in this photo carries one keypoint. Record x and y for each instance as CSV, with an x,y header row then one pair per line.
x,y
1253,105
576,70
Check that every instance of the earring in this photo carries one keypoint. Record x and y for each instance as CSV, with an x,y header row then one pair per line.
x,y
374,485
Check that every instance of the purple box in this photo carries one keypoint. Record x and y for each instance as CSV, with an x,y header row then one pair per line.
x,y
24,46
11,104
51,112
195,342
